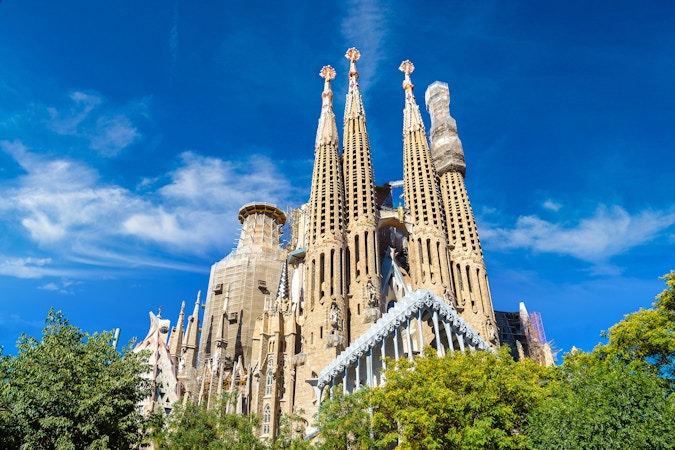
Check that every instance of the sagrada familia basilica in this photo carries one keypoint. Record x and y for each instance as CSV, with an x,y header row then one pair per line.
x,y
361,280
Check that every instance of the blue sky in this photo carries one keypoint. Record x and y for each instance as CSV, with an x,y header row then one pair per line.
x,y
132,132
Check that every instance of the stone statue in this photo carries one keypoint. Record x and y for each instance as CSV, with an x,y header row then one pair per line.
x,y
371,295
215,362
334,315
491,331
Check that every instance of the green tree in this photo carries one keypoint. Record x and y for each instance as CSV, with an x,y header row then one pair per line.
x,y
474,400
345,421
9,432
600,404
647,335
70,390
194,427
620,394
291,434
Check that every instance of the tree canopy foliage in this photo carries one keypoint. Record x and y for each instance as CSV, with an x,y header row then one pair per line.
x,y
196,427
647,335
620,395
599,404
464,401
70,390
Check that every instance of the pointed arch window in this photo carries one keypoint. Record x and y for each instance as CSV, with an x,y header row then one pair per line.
x,y
267,418
269,383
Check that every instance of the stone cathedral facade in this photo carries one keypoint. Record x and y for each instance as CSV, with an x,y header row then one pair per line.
x,y
360,280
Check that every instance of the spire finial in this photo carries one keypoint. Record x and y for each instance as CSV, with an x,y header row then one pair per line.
x,y
326,132
353,55
328,74
407,68
412,119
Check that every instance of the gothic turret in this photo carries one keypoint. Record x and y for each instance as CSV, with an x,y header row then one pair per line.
x,y
187,361
427,246
363,275
176,338
162,373
472,291
191,339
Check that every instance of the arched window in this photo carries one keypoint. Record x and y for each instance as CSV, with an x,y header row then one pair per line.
x,y
267,418
270,381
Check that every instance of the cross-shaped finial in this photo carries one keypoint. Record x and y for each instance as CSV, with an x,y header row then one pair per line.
x,y
407,68
353,55
327,73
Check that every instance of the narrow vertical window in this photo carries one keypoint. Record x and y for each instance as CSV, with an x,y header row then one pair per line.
x,y
332,271
269,383
267,418
322,275
365,248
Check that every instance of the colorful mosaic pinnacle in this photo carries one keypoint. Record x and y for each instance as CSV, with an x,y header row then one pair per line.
x,y
407,68
327,73
353,55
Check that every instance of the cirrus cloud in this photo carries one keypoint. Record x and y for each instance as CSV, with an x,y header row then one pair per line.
x,y
610,231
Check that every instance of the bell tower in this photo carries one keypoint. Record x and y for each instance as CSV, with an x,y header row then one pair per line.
x,y
324,313
427,245
472,291
362,271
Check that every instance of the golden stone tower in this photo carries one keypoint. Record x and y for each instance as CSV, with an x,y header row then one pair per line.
x,y
428,246
467,267
324,333
362,271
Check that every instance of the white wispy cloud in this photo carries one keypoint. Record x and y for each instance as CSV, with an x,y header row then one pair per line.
x,y
62,286
610,231
49,287
108,131
113,134
552,205
365,26
201,190
25,267
67,121
67,210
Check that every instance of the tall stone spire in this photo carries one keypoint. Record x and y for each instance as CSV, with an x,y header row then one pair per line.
x,y
280,303
324,312
363,274
469,274
326,132
191,340
354,103
446,148
428,248
412,118
176,338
